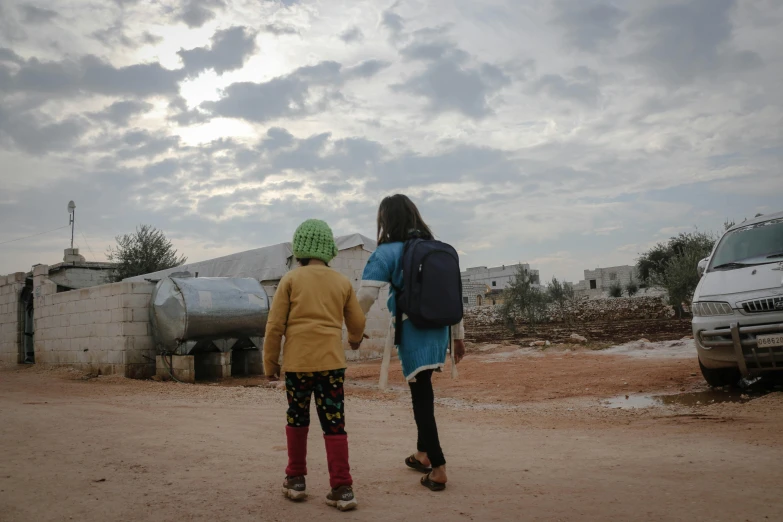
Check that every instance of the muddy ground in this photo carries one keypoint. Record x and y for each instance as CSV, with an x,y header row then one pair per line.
x,y
528,434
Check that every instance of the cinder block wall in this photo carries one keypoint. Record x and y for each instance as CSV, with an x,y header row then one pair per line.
x,y
10,317
103,329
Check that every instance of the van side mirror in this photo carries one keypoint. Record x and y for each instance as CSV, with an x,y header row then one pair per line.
x,y
702,266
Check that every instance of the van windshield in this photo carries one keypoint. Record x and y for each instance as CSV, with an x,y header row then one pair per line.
x,y
751,245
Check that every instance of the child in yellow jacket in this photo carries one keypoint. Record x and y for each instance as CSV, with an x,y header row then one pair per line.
x,y
309,308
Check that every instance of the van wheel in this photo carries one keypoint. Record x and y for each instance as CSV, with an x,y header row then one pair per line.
x,y
721,376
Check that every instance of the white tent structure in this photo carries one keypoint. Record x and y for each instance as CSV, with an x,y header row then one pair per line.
x,y
268,263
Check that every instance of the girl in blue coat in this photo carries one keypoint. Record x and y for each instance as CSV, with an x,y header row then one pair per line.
x,y
421,352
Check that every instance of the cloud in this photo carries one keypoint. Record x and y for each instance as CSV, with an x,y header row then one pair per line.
x,y
196,13
229,51
180,114
366,69
119,113
151,39
37,15
279,29
450,87
114,35
36,134
682,41
581,85
351,35
486,125
588,26
393,22
289,95
89,74
450,82
166,168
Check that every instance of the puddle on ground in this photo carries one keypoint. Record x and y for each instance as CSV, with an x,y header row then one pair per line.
x,y
702,398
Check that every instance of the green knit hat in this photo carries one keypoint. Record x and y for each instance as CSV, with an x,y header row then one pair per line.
x,y
314,240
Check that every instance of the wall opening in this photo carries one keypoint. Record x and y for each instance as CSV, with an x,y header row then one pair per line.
x,y
246,362
593,284
211,365
27,344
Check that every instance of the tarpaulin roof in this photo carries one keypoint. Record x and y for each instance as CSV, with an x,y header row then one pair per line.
x,y
263,264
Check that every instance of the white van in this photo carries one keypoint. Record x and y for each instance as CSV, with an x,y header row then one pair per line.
x,y
738,304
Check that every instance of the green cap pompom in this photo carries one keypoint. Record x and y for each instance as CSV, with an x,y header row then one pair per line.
x,y
314,240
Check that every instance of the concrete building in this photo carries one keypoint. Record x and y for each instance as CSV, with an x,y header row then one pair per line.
x,y
497,278
75,272
598,282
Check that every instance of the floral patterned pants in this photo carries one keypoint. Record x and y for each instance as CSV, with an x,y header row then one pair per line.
x,y
329,399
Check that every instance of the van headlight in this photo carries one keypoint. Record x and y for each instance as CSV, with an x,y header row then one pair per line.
x,y
710,308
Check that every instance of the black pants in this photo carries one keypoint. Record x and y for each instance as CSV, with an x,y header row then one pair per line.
x,y
329,399
424,413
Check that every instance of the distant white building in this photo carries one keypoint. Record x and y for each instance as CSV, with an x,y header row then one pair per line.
x,y
598,282
499,277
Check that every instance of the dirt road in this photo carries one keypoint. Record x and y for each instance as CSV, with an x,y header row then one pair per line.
x,y
110,449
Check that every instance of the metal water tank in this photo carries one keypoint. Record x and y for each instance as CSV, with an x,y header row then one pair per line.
x,y
187,310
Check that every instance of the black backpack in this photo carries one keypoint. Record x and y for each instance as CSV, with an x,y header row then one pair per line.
x,y
431,293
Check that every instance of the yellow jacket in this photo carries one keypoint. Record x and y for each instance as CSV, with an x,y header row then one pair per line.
x,y
309,308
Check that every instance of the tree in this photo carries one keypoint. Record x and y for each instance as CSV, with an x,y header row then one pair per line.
x,y
673,265
616,289
632,288
561,294
524,299
145,251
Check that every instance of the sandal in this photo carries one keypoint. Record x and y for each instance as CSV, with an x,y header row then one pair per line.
x,y
413,463
430,484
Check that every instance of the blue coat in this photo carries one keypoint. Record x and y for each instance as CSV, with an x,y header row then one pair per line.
x,y
419,349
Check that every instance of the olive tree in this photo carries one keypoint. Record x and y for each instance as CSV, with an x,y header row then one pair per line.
x,y
144,251
524,299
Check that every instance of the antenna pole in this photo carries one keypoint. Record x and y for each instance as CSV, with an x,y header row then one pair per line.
x,y
72,223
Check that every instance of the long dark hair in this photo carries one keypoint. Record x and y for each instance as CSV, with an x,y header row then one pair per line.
x,y
399,220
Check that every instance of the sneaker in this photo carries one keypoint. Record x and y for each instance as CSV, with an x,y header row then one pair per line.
x,y
295,488
342,498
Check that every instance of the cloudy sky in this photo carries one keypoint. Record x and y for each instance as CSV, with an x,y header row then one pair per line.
x,y
569,134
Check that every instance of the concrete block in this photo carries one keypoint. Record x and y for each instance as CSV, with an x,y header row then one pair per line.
x,y
121,315
182,362
113,302
99,330
135,329
143,288
182,366
141,315
143,343
135,300
41,271
115,356
114,329
104,290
